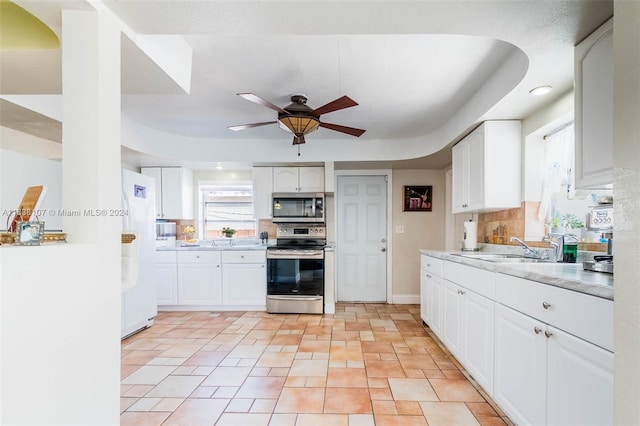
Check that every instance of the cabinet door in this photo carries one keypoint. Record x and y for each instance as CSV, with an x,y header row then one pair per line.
x,y
478,340
262,190
580,381
425,283
244,284
475,164
459,177
520,376
452,318
156,174
285,179
177,193
199,284
311,179
435,304
166,278
594,108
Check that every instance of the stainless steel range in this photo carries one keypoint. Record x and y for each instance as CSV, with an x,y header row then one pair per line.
x,y
295,270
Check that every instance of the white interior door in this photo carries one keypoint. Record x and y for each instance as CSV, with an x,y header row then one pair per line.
x,y
362,238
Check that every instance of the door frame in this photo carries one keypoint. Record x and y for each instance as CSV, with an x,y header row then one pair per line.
x,y
366,172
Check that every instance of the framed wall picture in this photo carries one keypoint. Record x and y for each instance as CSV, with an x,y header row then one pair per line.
x,y
29,233
416,198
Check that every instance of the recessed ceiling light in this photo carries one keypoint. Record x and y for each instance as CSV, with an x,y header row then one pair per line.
x,y
540,90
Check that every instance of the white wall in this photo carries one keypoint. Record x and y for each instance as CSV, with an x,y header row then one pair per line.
x,y
20,171
626,158
421,230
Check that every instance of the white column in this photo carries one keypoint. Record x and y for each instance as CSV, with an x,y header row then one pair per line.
x,y
60,305
626,136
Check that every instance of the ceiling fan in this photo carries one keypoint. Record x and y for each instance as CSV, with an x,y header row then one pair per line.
x,y
299,119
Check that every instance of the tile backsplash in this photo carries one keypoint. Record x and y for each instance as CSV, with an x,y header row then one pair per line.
x,y
498,227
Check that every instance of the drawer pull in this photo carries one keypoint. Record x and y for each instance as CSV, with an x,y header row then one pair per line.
x,y
546,305
548,334
427,275
537,330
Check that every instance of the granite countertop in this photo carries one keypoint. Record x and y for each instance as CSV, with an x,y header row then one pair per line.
x,y
220,246
570,276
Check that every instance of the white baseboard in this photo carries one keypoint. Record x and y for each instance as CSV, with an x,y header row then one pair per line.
x,y
405,299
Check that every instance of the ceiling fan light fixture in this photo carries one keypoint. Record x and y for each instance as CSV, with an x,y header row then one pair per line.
x,y
298,124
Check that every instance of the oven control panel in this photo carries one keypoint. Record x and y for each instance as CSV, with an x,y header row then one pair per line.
x,y
300,231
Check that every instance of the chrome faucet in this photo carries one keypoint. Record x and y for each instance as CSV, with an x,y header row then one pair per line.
x,y
528,251
232,242
556,241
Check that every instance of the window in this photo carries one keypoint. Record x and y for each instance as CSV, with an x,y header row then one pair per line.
x,y
227,206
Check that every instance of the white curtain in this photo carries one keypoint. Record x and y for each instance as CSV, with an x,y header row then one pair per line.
x,y
559,168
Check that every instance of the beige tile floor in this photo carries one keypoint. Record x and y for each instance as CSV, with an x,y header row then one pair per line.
x,y
368,364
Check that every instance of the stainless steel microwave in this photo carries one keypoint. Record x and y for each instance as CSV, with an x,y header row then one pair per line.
x,y
307,207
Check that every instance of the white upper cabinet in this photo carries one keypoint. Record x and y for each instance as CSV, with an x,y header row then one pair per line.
x,y
262,190
298,179
487,168
174,191
593,62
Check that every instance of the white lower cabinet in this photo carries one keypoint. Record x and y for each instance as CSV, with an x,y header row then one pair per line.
x,y
467,331
199,278
431,293
166,278
452,321
478,338
244,278
520,379
543,353
546,376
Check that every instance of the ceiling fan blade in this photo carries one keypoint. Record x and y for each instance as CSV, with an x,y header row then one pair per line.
x,y
253,98
248,126
340,103
344,129
298,140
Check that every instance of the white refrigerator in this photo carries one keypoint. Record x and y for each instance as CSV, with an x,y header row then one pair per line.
x,y
139,306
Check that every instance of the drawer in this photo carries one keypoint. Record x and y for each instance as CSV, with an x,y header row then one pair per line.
x,y
583,315
197,256
244,256
431,265
478,280
166,256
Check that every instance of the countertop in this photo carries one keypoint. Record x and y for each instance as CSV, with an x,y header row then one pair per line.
x,y
208,246
570,276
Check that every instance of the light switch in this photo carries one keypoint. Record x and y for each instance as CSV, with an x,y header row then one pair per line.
x,y
399,229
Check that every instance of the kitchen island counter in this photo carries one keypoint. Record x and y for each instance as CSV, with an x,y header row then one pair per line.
x,y
570,276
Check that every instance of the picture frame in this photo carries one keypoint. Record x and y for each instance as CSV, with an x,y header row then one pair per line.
x,y
29,233
417,198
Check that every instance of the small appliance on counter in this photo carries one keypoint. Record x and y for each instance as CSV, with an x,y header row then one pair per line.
x,y
165,233
600,219
470,236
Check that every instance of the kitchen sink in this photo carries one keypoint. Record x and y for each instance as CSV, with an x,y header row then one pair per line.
x,y
502,257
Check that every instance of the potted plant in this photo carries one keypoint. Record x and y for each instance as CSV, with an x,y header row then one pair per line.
x,y
555,224
571,221
228,232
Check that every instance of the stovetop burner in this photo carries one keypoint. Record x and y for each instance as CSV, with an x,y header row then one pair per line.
x,y
602,263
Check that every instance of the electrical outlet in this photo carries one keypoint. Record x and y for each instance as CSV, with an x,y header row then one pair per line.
x,y
399,229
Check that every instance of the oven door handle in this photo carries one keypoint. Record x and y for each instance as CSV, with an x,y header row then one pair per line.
x,y
319,255
298,298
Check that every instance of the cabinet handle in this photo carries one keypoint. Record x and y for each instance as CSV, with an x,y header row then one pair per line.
x,y
548,334
427,275
537,330
546,305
